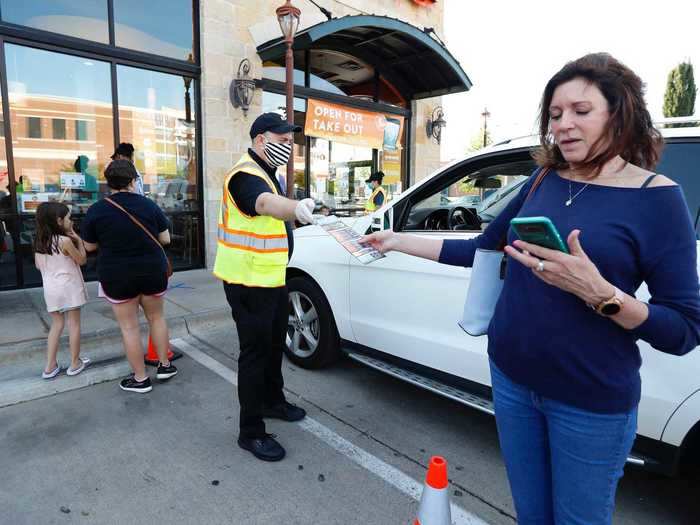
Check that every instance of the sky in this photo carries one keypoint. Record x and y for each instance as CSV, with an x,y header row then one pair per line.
x,y
510,49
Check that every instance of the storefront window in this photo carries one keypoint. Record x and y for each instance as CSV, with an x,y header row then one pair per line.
x,y
343,145
278,103
55,94
338,174
78,18
156,115
160,27
7,222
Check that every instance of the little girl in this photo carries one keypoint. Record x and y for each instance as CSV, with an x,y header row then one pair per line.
x,y
58,254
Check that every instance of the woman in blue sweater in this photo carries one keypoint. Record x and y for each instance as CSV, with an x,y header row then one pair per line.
x,y
562,341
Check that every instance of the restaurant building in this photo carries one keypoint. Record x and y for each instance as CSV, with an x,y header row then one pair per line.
x,y
183,80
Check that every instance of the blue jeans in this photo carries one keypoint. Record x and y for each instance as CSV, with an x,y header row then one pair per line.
x,y
563,463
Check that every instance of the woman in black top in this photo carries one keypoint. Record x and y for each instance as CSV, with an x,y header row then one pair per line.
x,y
132,267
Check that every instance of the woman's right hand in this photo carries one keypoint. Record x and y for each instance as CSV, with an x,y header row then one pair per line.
x,y
384,241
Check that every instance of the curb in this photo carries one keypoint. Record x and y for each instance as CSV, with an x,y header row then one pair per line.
x,y
178,326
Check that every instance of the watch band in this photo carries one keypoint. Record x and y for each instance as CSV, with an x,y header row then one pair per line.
x,y
613,305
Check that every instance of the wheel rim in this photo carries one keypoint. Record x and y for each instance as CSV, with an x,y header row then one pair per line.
x,y
303,328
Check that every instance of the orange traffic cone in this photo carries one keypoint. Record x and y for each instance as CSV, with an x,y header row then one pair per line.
x,y
434,506
151,357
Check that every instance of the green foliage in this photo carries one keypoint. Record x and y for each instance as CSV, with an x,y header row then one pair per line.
x,y
466,187
679,99
477,141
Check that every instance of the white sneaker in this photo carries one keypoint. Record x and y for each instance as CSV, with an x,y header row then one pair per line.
x,y
84,361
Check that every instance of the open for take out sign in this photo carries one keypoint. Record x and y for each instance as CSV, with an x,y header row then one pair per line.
x,y
352,126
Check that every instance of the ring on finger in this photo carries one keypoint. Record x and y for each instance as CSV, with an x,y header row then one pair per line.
x,y
540,266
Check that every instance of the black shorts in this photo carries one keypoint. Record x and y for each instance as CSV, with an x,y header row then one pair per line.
x,y
122,290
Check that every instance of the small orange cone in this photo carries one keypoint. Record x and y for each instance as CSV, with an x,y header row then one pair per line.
x,y
151,357
434,508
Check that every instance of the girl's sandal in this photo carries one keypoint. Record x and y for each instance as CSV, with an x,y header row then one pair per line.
x,y
84,361
52,374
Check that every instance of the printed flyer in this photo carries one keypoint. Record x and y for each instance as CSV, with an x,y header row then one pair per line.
x,y
349,239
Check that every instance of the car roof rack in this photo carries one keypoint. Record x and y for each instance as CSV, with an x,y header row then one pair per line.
x,y
513,139
679,120
657,122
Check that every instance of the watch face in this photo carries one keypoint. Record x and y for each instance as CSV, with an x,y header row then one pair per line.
x,y
610,309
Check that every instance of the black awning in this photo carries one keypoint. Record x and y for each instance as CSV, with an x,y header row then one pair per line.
x,y
413,61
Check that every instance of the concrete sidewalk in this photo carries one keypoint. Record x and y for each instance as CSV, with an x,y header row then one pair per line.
x,y
194,298
24,319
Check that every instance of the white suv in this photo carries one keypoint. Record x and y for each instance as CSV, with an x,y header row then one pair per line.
x,y
399,314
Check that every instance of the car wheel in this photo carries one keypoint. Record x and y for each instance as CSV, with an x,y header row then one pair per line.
x,y
312,337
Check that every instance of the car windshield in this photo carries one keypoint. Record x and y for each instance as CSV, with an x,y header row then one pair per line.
x,y
500,194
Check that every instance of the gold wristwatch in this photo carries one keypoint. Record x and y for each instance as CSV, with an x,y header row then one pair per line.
x,y
613,305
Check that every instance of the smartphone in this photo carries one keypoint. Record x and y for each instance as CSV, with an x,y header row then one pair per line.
x,y
540,231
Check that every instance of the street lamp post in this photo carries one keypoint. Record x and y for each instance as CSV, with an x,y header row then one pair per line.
x,y
486,116
288,17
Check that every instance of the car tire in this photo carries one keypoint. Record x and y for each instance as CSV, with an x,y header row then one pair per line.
x,y
314,323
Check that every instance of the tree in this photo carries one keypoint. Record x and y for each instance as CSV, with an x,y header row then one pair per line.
x,y
679,99
477,141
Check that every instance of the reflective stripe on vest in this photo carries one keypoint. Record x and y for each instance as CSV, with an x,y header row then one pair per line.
x,y
247,241
251,251
370,206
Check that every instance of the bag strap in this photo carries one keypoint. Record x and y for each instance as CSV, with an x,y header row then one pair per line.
x,y
138,223
540,177
538,180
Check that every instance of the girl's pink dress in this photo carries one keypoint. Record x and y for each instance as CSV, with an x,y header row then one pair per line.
x,y
64,287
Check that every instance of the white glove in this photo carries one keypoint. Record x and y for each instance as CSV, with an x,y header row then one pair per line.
x,y
304,211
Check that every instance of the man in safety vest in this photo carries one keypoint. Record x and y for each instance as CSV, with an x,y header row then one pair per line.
x,y
253,247
378,196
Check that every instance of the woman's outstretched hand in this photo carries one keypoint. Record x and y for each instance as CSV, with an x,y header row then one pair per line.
x,y
573,272
384,241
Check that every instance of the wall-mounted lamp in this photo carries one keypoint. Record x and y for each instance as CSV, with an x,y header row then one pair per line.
x,y
242,87
433,128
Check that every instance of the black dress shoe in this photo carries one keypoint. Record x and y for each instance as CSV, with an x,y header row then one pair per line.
x,y
266,448
285,411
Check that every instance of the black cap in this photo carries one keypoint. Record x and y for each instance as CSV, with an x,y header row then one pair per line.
x,y
378,176
271,122
125,149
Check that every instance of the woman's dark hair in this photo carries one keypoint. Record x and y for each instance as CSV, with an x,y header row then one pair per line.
x,y
629,132
119,173
47,229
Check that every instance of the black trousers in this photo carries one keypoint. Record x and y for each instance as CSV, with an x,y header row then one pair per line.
x,y
261,316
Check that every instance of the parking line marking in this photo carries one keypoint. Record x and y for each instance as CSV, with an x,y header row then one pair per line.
x,y
361,457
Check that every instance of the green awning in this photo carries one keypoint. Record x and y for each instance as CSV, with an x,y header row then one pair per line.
x,y
409,58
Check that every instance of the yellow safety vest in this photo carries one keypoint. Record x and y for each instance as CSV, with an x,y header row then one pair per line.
x,y
251,251
370,206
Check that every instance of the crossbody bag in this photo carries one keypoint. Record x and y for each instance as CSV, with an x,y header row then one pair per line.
x,y
169,270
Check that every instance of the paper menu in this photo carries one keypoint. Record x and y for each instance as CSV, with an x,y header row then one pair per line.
x,y
349,239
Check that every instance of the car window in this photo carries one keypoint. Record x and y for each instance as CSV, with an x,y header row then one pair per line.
x,y
459,205
680,161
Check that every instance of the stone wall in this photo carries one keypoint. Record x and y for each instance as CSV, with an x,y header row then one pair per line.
x,y
227,29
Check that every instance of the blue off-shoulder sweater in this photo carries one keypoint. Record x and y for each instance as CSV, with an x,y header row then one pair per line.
x,y
549,340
